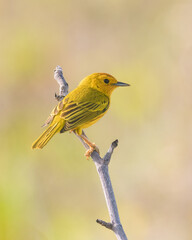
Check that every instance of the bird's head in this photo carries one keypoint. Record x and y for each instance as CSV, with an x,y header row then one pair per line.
x,y
102,82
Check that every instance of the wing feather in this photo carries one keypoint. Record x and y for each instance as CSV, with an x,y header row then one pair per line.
x,y
77,114
76,110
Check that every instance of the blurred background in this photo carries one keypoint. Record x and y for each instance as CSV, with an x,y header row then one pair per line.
x,y
55,193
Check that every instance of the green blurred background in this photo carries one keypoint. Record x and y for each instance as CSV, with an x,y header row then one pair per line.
x,y
55,193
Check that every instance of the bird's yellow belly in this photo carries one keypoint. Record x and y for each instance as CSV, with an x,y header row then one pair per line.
x,y
88,124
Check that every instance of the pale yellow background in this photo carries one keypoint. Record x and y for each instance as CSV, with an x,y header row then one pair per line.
x,y
55,193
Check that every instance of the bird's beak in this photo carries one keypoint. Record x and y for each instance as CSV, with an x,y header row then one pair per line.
x,y
121,84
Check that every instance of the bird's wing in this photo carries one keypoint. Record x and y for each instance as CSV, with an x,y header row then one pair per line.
x,y
56,110
77,114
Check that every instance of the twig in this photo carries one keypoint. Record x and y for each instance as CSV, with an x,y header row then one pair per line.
x,y
105,224
63,85
102,169
108,155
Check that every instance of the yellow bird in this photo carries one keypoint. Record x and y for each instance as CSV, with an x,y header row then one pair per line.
x,y
81,108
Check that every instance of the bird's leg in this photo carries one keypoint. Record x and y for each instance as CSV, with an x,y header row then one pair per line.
x,y
92,146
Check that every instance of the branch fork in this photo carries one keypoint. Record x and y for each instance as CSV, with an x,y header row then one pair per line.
x,y
101,166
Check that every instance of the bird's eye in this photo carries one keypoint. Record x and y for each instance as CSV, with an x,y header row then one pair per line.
x,y
106,80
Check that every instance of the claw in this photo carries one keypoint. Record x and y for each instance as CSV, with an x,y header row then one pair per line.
x,y
96,148
92,146
90,151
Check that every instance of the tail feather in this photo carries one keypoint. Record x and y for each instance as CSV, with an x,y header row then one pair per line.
x,y
47,135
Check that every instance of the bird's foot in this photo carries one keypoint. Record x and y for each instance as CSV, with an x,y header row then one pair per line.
x,y
92,148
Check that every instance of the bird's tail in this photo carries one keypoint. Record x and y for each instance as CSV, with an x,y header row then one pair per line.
x,y
47,134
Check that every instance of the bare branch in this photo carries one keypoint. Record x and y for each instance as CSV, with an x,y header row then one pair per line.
x,y
105,224
102,169
109,153
63,85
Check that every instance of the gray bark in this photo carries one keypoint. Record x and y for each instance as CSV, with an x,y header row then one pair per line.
x,y
102,169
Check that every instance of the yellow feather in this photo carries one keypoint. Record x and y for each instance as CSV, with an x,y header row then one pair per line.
x,y
48,134
80,108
